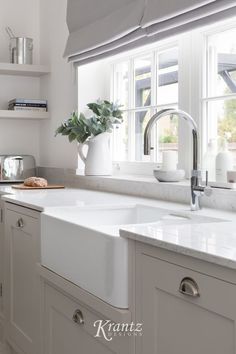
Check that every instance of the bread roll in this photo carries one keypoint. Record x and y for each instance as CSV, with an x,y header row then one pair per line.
x,y
35,182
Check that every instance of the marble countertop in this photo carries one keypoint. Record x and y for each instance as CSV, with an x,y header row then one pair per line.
x,y
5,188
42,199
212,242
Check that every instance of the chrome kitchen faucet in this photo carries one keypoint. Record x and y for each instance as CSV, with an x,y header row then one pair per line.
x,y
197,189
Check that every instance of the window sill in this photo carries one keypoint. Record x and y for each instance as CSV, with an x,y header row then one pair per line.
x,y
149,187
152,180
134,178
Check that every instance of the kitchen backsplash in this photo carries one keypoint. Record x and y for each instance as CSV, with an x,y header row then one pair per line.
x,y
139,186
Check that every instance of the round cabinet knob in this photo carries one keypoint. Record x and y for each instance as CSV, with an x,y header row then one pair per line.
x,y
78,317
20,223
189,287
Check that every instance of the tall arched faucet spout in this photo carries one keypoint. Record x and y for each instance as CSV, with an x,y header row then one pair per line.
x,y
180,114
197,190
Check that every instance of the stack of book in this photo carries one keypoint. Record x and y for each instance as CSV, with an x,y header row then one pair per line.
x,y
21,104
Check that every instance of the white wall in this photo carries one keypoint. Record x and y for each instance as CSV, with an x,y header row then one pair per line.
x,y
93,83
61,87
19,136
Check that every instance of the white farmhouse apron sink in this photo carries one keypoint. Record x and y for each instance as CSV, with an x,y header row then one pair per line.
x,y
82,244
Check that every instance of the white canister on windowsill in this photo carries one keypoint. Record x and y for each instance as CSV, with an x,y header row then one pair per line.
x,y
169,161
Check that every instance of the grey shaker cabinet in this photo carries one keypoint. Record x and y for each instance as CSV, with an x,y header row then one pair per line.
x,y
21,283
69,327
1,270
202,319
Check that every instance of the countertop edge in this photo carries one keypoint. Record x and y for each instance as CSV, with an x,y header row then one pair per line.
x,y
11,199
172,247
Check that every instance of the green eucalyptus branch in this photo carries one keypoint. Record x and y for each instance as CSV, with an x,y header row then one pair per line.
x,y
105,115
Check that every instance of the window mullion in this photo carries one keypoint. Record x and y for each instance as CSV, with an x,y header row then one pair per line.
x,y
131,115
154,79
196,111
155,131
185,58
112,83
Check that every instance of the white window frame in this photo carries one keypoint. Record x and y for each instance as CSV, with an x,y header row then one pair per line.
x,y
145,168
206,98
192,92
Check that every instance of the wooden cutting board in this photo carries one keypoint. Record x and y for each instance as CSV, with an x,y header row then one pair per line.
x,y
23,187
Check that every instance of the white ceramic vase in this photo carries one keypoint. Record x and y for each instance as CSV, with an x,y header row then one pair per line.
x,y
98,161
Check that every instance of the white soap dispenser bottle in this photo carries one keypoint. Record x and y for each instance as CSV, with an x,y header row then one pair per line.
x,y
209,160
224,162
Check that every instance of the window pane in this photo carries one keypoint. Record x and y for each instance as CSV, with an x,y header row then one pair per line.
x,y
167,135
167,77
142,73
121,84
120,140
222,122
141,120
129,138
222,63
164,136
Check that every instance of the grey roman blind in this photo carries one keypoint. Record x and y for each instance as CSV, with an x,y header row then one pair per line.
x,y
190,17
94,24
157,11
103,28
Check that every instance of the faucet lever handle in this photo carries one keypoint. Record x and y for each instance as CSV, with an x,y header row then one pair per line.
x,y
207,189
207,178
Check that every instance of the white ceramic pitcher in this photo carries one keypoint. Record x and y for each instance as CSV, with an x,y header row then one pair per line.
x,y
98,161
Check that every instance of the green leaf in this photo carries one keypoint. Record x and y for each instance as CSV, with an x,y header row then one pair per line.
x,y
71,137
105,115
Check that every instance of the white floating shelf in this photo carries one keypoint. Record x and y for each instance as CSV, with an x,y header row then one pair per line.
x,y
24,69
6,114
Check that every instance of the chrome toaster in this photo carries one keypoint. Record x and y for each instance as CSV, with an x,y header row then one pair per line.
x,y
15,168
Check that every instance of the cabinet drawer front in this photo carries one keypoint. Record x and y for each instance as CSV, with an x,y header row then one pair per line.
x,y
211,290
176,319
21,222
69,328
21,283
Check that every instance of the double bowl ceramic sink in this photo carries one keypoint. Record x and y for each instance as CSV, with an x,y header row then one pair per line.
x,y
83,245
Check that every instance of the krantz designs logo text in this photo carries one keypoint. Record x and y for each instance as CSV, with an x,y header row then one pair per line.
x,y
108,329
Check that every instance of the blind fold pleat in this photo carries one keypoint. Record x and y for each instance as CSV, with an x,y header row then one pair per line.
x,y
98,31
87,44
115,45
206,13
158,10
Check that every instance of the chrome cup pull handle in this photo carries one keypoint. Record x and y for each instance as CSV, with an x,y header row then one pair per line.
x,y
20,223
78,317
189,287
